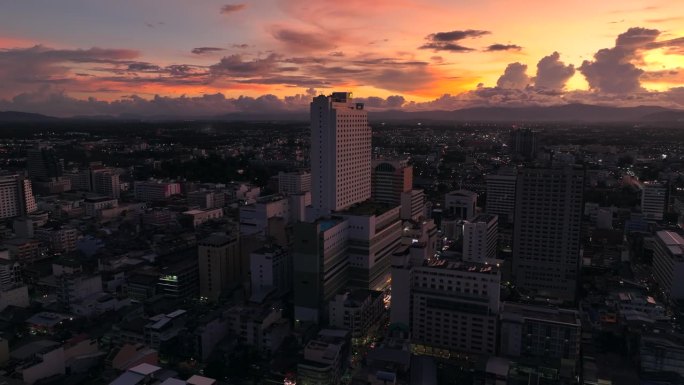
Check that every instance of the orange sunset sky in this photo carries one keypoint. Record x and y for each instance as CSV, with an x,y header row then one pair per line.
x,y
79,57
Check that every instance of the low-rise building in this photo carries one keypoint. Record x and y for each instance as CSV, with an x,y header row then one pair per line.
x,y
357,311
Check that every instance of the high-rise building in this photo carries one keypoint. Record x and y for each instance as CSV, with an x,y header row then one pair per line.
x,y
296,182
340,154
654,200
43,164
479,239
546,237
106,181
412,204
390,178
270,271
501,195
524,143
16,196
320,265
220,265
668,263
460,204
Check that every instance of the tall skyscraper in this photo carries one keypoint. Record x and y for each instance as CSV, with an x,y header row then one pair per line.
x,y
340,153
391,178
546,237
43,164
524,143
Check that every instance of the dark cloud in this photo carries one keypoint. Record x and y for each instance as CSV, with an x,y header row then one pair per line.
x,y
143,67
514,77
503,47
241,46
391,102
203,50
612,70
337,54
303,41
234,65
231,8
448,41
456,35
552,74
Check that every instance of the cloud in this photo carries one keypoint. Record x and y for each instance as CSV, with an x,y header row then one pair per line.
x,y
612,70
514,77
552,74
448,41
503,47
203,50
234,65
299,41
232,8
392,102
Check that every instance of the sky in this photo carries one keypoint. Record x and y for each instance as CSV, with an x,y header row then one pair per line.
x,y
199,58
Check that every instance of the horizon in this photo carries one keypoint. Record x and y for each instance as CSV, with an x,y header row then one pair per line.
x,y
226,57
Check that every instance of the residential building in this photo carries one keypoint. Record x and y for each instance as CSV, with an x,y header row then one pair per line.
x,y
325,359
668,263
546,236
220,265
654,198
106,181
296,182
43,163
153,191
412,205
501,195
16,196
94,205
198,217
254,218
270,271
260,326
480,238
524,143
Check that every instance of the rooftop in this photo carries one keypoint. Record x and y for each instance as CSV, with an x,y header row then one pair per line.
x,y
543,313
483,218
367,208
217,240
470,267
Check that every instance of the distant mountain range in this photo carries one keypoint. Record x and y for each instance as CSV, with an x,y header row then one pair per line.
x,y
561,113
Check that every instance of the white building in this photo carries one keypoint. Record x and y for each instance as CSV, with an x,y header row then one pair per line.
x,y
197,217
106,181
270,270
668,263
254,217
340,153
294,182
412,204
452,306
653,200
479,239
460,203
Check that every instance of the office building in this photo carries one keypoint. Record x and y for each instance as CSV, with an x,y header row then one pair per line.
x,y
452,306
501,195
106,181
524,143
296,182
654,197
254,218
412,205
375,231
480,236
460,204
43,164
220,265
340,154
389,179
357,311
62,239
206,199
668,264
16,196
270,271
540,331
197,217
153,191
325,358
320,265
546,237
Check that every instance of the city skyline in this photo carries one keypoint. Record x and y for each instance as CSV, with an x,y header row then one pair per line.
x,y
223,57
